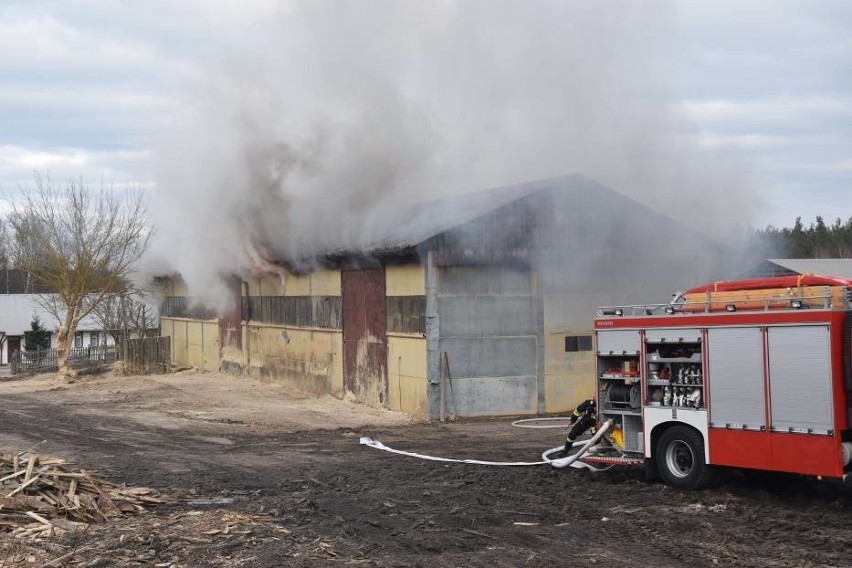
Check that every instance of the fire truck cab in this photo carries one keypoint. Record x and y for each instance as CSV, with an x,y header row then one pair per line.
x,y
748,374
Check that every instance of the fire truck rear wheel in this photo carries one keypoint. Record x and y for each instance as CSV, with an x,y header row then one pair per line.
x,y
680,459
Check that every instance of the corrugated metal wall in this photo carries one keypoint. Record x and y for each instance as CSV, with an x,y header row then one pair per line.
x,y
489,329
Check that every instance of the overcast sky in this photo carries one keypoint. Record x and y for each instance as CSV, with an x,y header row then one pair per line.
x,y
112,90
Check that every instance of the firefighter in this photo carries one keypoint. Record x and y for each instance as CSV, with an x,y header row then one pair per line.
x,y
583,418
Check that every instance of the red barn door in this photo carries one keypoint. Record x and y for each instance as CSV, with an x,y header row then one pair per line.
x,y
365,341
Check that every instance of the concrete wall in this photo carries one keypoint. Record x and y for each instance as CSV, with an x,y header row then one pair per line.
x,y
489,328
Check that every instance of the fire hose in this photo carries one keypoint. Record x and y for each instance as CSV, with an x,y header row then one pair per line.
x,y
545,459
572,459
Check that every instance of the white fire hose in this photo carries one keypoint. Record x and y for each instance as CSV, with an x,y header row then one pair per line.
x,y
380,446
545,459
572,459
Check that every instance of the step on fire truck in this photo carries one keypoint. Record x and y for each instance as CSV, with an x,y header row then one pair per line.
x,y
748,374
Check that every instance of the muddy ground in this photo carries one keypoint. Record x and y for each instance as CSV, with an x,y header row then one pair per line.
x,y
264,476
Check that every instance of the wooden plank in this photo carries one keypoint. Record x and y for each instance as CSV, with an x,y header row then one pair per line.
x,y
38,517
23,486
12,475
31,463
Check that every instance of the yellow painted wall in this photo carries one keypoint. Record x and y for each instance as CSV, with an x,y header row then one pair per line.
x,y
306,358
210,349
176,329
270,285
325,283
319,283
297,285
406,366
569,378
194,342
406,280
407,384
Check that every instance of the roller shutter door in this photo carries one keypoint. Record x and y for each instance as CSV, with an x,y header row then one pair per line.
x,y
618,342
800,379
735,376
673,335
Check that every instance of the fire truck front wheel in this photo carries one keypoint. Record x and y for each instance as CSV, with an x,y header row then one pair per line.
x,y
680,459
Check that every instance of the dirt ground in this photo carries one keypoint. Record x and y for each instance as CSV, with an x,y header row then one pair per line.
x,y
263,476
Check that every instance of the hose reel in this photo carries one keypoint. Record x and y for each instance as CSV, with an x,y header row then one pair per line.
x,y
622,396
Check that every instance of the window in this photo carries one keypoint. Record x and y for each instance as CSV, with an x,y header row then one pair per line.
x,y
576,343
78,339
94,339
300,311
406,314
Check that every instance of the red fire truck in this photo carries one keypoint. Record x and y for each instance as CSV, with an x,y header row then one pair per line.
x,y
748,374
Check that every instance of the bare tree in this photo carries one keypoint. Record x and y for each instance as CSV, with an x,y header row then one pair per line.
x,y
4,245
81,244
126,314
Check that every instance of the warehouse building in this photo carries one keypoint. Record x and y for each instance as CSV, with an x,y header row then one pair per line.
x,y
478,305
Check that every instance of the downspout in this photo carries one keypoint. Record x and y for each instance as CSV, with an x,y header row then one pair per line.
x,y
433,338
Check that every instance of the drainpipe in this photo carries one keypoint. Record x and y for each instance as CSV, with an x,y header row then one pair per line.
x,y
433,337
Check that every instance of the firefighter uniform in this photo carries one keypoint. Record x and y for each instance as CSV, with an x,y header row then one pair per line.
x,y
583,418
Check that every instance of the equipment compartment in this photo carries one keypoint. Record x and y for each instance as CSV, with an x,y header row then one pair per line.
x,y
675,370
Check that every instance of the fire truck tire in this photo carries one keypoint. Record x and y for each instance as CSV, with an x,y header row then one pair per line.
x,y
680,459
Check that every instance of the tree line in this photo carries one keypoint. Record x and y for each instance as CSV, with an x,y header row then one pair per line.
x,y
817,240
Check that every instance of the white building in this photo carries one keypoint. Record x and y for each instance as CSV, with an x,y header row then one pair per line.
x,y
19,305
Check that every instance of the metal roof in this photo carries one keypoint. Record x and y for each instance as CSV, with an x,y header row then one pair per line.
x,y
825,266
423,221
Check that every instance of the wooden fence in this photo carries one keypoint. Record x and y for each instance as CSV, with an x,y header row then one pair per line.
x,y
145,355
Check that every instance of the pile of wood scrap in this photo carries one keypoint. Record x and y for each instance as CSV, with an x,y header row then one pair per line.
x,y
40,496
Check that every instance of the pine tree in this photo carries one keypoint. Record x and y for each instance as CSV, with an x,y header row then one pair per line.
x,y
37,338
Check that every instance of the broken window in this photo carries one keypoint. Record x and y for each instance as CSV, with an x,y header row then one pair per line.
x,y
406,314
299,311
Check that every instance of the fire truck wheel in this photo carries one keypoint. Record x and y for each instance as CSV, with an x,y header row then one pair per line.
x,y
680,459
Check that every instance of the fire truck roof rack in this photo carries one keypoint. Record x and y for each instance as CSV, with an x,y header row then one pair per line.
x,y
639,310
759,294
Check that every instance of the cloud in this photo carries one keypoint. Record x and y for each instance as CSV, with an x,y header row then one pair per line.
x,y
119,168
799,110
11,156
743,141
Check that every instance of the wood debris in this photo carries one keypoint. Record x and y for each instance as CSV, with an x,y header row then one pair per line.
x,y
40,496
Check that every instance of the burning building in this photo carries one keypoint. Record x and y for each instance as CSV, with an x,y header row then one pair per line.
x,y
481,303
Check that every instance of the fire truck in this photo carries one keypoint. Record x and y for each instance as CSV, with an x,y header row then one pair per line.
x,y
748,374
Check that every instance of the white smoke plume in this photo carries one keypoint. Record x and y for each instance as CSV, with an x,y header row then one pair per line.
x,y
312,123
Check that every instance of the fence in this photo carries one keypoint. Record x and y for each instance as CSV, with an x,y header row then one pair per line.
x,y
145,355
46,360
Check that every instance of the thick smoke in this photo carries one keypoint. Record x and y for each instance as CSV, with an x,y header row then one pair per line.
x,y
306,132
